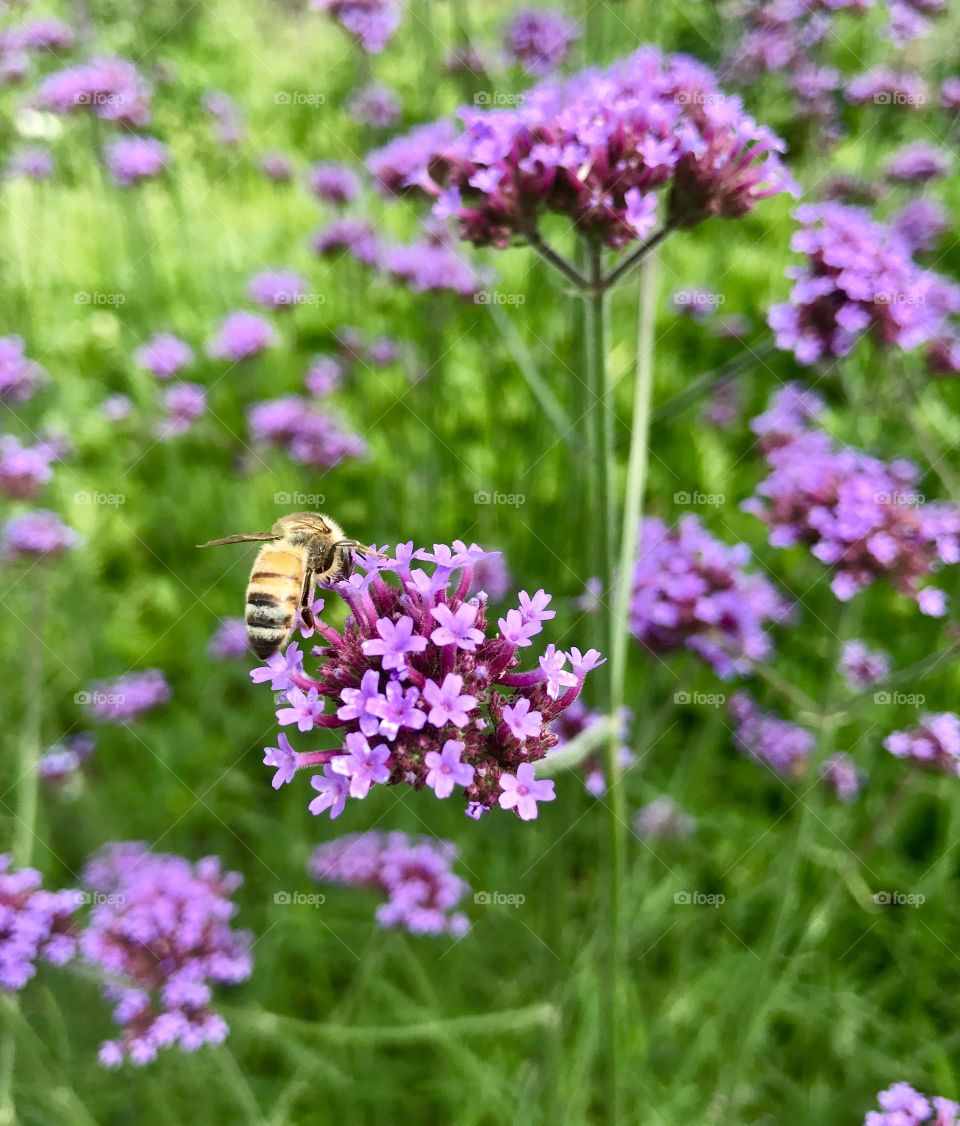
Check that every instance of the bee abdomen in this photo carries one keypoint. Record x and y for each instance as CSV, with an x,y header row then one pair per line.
x,y
269,620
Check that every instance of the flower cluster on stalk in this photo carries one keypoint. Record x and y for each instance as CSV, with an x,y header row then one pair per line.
x,y
160,932
933,744
372,23
777,743
421,689
415,873
862,517
127,697
35,925
901,1105
599,148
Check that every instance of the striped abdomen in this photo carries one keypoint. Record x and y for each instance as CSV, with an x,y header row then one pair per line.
x,y
273,597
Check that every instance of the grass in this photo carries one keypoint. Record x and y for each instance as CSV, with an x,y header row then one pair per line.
x,y
796,998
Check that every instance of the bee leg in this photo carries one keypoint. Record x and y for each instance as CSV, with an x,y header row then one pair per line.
x,y
306,596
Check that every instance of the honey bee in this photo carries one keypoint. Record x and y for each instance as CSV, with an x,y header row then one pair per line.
x,y
305,548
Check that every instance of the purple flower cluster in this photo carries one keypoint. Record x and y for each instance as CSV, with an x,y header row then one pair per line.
x,y
164,355
241,336
309,436
278,289
355,237
33,535
323,376
901,1105
918,163
598,148
885,87
424,693
275,166
41,34
371,22
921,224
841,774
228,116
539,39
24,469
934,743
126,698
160,930
690,591
334,183
32,162
860,516
113,89
663,819
375,105
401,165
862,667
34,925
428,266
182,405
63,760
415,874
859,277
768,739
19,376
230,640
134,159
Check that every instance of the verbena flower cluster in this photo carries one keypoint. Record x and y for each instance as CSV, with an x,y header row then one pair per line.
x,y
768,739
111,88
862,517
24,469
182,404
133,159
309,436
160,931
20,377
599,148
126,698
241,336
934,743
539,39
35,534
690,591
230,640
415,873
663,819
371,22
164,355
901,1105
859,277
861,666
35,925
61,761
842,775
424,692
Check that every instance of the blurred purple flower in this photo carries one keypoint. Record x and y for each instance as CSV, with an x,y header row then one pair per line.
x,y
539,39
127,697
164,355
933,744
768,739
862,667
241,336
19,377
183,404
371,22
230,640
375,105
35,534
334,183
278,289
35,925
355,237
24,469
134,159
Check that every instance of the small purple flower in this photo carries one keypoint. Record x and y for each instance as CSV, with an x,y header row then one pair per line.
x,y
356,703
35,534
278,289
534,609
522,721
862,667
397,708
521,791
284,758
279,669
396,640
447,704
371,22
230,640
662,819
355,237
918,163
375,105
125,698
164,355
841,774
552,663
364,765
445,770
768,739
240,336
183,404
304,709
334,183
933,744
456,627
31,162
35,925
132,160
539,39
333,790
275,166
19,376
24,469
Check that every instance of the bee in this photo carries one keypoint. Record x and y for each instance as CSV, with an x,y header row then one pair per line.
x,y
304,549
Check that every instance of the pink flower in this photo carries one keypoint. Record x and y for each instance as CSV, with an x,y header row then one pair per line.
x,y
456,628
445,770
364,765
522,792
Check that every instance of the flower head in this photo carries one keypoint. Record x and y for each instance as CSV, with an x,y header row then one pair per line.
x,y
35,925
768,739
35,534
240,336
134,159
933,744
164,355
521,791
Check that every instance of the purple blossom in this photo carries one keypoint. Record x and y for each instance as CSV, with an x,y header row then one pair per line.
x,y
307,435
24,469
134,159
921,224
445,770
35,925
19,376
918,163
31,162
399,672
278,289
694,592
521,791
901,1105
324,376
333,790
127,697
862,667
34,535
950,94
164,355
539,39
228,116
355,237
275,166
933,744
885,87
160,933
371,22
414,873
63,760
44,34
240,336
304,709
576,720
860,516
183,404
112,89
375,105
230,640
492,577
663,819
284,758
768,739
334,183
841,774
649,122
428,266
279,669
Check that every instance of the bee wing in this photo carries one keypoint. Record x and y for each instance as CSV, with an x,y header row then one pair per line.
x,y
247,537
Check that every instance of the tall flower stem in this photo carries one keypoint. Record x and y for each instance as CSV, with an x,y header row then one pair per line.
x,y
25,813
